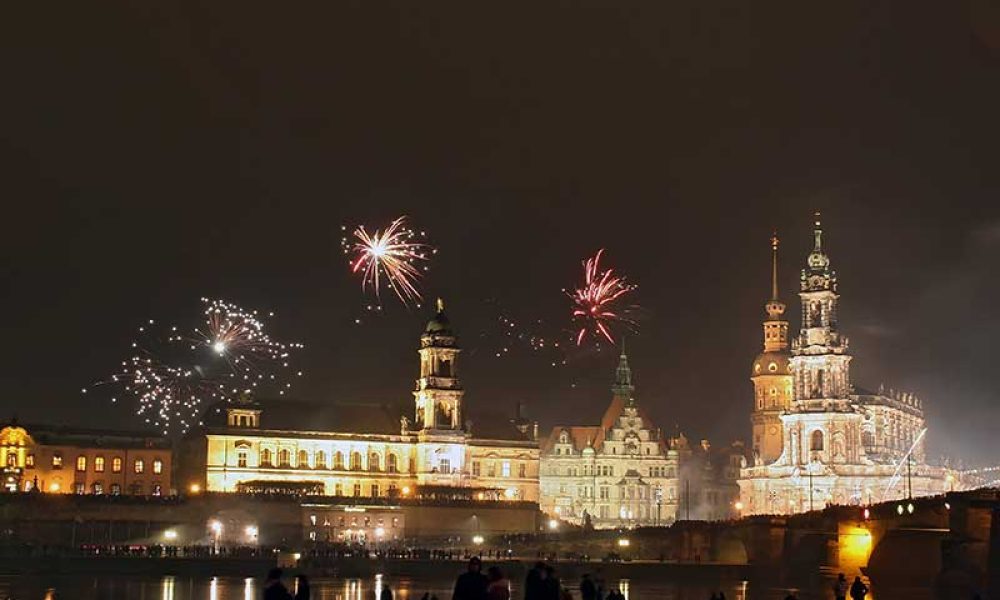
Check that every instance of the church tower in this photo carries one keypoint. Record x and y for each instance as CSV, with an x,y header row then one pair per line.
x,y
623,388
820,361
771,375
438,396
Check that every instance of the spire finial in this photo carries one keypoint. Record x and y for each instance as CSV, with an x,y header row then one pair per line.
x,y
440,305
774,265
818,233
623,346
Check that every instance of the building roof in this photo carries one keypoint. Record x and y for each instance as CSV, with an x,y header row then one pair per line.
x,y
62,435
362,418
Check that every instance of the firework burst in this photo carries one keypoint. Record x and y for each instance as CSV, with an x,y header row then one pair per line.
x,y
595,304
170,375
394,257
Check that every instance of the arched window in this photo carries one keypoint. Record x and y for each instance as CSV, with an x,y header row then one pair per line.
x,y
392,463
303,460
373,462
338,461
157,466
320,459
355,461
816,441
284,457
265,457
99,464
116,464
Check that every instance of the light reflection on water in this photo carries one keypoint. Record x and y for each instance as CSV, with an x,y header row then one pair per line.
x,y
82,587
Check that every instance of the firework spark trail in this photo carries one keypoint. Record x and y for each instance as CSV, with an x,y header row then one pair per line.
x,y
595,303
170,375
391,255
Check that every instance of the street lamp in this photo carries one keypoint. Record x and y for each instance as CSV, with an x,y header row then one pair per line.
x,y
251,532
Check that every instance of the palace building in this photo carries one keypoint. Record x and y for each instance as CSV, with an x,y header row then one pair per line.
x,y
817,438
625,473
63,460
369,451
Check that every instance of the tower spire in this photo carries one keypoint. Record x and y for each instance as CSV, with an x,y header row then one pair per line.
x,y
818,234
623,377
774,266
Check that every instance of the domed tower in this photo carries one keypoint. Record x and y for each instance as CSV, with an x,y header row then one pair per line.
x,y
438,396
770,374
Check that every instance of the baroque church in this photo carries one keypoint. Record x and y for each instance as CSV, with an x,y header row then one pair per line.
x,y
371,451
817,439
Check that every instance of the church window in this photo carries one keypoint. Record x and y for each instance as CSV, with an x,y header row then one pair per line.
x,y
56,461
392,463
116,464
157,466
302,461
816,441
99,464
522,470
81,463
265,457
505,469
355,461
320,459
284,457
338,461
241,459
373,462
475,468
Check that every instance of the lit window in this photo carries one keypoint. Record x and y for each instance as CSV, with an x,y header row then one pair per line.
x,y
303,460
29,461
99,464
116,464
116,489
505,469
320,459
284,457
79,488
139,465
97,488
338,461
355,461
81,464
157,466
265,457
338,489
56,461
157,489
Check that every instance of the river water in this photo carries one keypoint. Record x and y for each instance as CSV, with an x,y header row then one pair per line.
x,y
83,587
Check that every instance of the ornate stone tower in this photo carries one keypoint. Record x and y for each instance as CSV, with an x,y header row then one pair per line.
x,y
438,396
820,361
771,375
623,387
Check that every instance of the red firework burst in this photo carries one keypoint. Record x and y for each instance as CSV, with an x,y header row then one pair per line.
x,y
595,304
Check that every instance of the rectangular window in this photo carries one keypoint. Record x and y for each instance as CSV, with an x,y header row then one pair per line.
x,y
505,468
116,465
139,465
475,468
605,493
338,489
375,490
78,488
29,461
522,470
81,463
445,466
241,459
491,469
116,489
357,490
56,461
99,464
98,488
157,466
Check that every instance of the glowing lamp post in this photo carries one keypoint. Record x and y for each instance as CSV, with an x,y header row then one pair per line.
x,y
216,528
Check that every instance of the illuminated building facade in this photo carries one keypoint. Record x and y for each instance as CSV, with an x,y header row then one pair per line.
x,y
84,461
817,439
619,473
371,451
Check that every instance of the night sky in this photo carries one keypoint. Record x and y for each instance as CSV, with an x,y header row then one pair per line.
x,y
153,155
